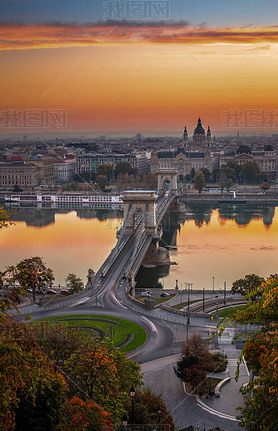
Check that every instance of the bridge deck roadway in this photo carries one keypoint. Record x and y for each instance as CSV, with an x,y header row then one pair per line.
x,y
122,261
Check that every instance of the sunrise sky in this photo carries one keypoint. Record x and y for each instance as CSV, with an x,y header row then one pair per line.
x,y
112,70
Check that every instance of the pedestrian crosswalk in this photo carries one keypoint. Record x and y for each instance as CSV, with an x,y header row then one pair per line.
x,y
233,362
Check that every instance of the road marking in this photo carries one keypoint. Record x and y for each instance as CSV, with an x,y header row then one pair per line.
x,y
131,355
114,299
215,412
82,301
150,324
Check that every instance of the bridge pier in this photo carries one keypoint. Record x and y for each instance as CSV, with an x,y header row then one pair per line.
x,y
169,175
139,203
158,256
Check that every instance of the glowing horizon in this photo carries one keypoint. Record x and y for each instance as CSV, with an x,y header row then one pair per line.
x,y
138,77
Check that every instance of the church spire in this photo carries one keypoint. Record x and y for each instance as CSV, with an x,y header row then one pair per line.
x,y
185,136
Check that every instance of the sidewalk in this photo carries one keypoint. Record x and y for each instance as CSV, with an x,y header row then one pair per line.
x,y
190,410
230,398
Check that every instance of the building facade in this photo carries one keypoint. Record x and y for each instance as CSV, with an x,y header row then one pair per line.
x,y
193,154
91,162
18,174
64,171
181,160
45,169
266,159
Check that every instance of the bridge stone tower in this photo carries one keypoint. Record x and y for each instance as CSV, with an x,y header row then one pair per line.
x,y
140,203
170,175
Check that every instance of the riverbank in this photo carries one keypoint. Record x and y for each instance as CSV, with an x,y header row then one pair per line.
x,y
253,197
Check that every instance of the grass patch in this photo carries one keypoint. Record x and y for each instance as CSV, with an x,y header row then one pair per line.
x,y
156,300
115,328
230,312
208,386
184,304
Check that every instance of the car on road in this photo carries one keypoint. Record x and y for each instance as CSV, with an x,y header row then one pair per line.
x,y
146,294
51,292
164,294
64,292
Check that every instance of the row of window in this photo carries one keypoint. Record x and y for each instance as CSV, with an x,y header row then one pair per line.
x,y
15,177
13,183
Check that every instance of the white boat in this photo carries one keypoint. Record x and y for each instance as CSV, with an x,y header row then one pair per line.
x,y
64,198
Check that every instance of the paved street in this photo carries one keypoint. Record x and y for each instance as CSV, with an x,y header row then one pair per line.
x,y
166,332
187,410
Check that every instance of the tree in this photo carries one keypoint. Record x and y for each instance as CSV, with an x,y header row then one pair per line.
x,y
199,181
58,342
94,372
31,273
251,171
123,168
83,415
235,167
11,293
247,284
196,361
17,189
207,174
265,186
195,375
102,182
229,184
222,181
5,218
228,171
183,364
195,346
74,283
147,406
265,308
261,353
32,394
105,170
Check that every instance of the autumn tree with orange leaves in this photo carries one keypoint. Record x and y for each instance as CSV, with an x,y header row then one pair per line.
x,y
261,353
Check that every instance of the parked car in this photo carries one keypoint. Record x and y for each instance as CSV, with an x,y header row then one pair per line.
x,y
164,294
51,292
146,294
64,292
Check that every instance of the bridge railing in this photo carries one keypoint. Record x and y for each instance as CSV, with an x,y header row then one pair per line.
x,y
138,239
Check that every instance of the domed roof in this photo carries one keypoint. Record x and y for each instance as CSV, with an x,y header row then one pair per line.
x,y
199,130
243,149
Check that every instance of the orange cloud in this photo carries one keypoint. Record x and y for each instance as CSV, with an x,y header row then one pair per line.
x,y
14,36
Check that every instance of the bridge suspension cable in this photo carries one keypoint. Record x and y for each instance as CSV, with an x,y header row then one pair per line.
x,y
133,256
117,246
159,185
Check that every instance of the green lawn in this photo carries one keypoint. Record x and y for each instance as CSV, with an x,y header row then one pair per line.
x,y
230,312
156,300
118,330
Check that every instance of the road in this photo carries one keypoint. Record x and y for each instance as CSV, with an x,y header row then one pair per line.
x,y
165,333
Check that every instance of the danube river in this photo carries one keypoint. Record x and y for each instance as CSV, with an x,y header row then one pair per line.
x,y
206,242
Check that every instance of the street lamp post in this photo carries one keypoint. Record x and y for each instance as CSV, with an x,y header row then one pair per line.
x,y
132,394
159,415
213,284
188,314
124,420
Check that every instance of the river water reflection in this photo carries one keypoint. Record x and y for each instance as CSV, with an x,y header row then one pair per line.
x,y
206,241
